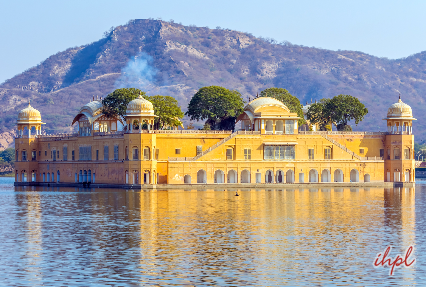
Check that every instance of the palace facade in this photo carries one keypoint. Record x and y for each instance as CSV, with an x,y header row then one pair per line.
x,y
268,148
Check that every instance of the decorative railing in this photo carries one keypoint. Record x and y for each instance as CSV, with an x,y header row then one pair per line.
x,y
181,158
372,158
339,133
108,133
177,132
56,137
248,132
400,133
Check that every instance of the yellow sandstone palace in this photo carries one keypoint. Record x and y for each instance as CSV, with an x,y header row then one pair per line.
x,y
268,149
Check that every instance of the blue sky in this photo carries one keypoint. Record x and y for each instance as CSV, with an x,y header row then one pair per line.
x,y
31,31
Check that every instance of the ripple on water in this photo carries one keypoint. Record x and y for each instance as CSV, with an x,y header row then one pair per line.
x,y
275,237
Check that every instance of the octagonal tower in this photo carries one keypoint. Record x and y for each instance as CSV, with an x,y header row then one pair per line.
x,y
399,144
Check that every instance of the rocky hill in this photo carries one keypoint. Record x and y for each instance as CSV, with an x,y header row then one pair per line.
x,y
171,59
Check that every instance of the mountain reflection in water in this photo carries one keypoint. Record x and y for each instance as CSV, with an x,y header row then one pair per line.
x,y
263,237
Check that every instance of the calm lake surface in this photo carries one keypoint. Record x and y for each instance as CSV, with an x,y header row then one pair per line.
x,y
98,237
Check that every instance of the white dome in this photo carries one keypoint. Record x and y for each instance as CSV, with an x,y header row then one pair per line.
x,y
264,101
139,106
29,114
400,110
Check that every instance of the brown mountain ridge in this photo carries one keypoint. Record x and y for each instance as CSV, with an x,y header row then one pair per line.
x,y
171,59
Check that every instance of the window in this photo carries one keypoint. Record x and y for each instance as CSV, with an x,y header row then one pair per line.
x,y
16,155
199,149
65,153
157,152
57,154
45,153
247,153
39,153
406,153
327,153
33,155
382,152
85,153
229,152
48,145
289,127
290,152
54,154
396,153
72,155
361,151
311,153
116,152
279,152
97,154
127,153
388,153
177,151
24,155
268,152
135,153
106,152
146,155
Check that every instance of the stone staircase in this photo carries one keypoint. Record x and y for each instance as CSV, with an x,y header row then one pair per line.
x,y
215,145
341,146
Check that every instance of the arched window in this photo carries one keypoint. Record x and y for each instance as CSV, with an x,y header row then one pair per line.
x,y
232,176
135,153
325,176
269,176
201,176
338,175
245,176
313,175
146,153
279,176
187,179
366,178
219,176
354,175
290,176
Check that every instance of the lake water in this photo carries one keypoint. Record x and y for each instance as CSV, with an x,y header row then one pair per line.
x,y
98,237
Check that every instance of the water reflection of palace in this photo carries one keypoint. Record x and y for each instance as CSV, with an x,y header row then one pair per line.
x,y
269,148
187,234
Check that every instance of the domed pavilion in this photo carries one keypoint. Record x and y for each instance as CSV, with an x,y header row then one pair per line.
x,y
138,112
269,116
91,119
400,118
29,122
